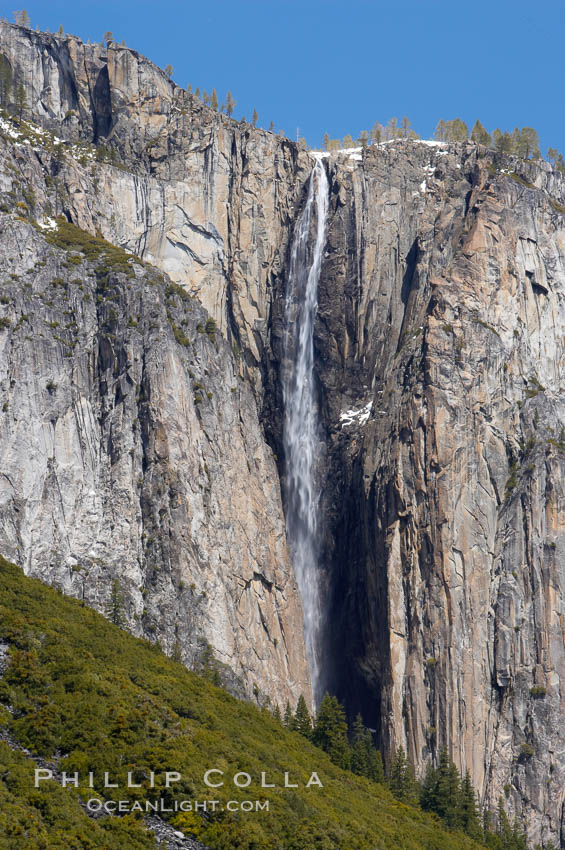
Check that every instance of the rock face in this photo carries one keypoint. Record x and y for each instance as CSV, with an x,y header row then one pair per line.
x,y
130,440
443,312
440,346
208,200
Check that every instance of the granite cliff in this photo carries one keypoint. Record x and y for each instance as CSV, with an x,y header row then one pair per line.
x,y
141,427
131,445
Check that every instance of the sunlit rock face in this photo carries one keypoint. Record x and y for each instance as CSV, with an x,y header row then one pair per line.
x,y
441,348
439,363
131,443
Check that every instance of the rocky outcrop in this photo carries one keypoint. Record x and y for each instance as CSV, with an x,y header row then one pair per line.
x,y
209,200
439,348
131,447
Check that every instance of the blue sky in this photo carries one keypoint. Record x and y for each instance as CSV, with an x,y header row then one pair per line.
x,y
340,65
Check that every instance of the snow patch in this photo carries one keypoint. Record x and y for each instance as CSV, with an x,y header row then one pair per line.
x,y
431,142
7,128
356,417
47,223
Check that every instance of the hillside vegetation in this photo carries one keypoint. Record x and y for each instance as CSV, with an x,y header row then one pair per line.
x,y
84,692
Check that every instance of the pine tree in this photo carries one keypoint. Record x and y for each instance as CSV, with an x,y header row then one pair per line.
x,y
61,31
197,92
189,89
469,814
480,135
255,117
441,131
272,127
277,714
529,143
214,100
330,731
503,828
366,760
230,104
22,18
392,128
115,607
401,778
555,157
516,142
205,97
502,142
169,71
405,126
108,38
519,837
376,133
363,139
209,666
359,749
348,141
428,790
326,141
176,652
487,823
302,719
376,767
288,718
448,791
456,131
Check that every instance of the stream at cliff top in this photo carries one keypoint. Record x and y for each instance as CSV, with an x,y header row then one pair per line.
x,y
301,432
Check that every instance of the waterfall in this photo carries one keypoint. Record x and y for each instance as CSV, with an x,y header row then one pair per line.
x,y
301,434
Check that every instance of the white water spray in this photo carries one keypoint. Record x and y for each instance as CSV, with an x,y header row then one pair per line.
x,y
301,435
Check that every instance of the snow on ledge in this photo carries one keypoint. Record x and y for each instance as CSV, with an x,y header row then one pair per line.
x,y
7,128
356,417
47,223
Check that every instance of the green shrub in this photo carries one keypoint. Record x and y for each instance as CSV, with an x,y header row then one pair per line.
x,y
211,329
95,249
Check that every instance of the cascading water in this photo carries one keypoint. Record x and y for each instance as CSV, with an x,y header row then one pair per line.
x,y
301,433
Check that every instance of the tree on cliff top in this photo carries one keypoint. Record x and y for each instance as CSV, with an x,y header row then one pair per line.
x,y
405,126
21,17
555,157
480,135
230,104
528,143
